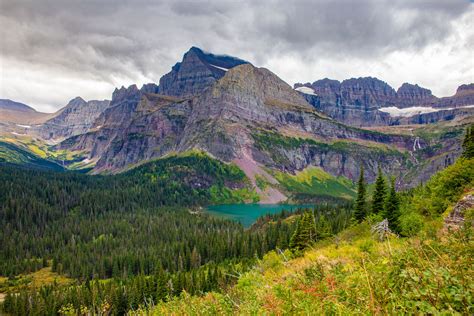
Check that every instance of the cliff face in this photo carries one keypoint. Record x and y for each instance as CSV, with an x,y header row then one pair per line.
x,y
197,71
110,122
464,96
226,121
74,119
409,95
361,101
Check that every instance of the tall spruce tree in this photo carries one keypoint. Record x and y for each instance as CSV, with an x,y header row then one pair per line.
x,y
305,232
392,208
323,228
380,192
360,205
468,143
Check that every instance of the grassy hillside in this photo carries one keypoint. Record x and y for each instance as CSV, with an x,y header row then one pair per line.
x,y
13,154
313,183
356,273
70,159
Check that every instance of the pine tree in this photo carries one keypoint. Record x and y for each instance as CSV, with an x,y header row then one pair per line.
x,y
360,204
323,228
305,232
468,143
392,208
380,192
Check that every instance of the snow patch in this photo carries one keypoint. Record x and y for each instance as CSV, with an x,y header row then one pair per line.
x,y
24,126
415,110
18,134
221,68
306,90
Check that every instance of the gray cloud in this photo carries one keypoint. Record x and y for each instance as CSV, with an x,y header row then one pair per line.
x,y
88,47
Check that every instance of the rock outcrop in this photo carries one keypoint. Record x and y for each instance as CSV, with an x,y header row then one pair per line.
x,y
409,95
74,119
456,218
464,96
197,71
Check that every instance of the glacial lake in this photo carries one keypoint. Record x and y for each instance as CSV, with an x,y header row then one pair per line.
x,y
247,214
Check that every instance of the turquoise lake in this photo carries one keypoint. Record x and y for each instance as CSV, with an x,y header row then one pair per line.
x,y
247,214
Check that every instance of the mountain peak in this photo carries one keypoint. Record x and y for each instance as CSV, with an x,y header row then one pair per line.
x,y
465,89
197,71
77,101
7,104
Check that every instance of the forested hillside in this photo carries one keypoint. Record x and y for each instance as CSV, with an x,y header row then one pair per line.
x,y
138,242
143,228
366,269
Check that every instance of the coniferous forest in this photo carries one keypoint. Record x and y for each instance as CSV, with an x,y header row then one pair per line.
x,y
142,231
138,239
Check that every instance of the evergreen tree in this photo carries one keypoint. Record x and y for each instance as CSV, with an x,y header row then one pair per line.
x,y
323,228
305,232
468,143
380,192
392,208
360,204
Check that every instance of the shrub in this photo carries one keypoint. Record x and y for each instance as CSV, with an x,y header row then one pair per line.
x,y
410,224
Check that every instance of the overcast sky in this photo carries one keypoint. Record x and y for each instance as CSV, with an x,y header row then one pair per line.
x,y
54,50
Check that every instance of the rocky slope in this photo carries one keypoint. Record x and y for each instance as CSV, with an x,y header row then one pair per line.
x,y
247,115
242,118
74,119
464,96
370,102
195,72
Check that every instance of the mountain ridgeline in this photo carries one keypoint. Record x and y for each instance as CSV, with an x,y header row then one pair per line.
x,y
370,102
240,113
129,233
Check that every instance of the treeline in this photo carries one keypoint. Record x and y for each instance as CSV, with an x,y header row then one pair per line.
x,y
120,295
86,222
127,292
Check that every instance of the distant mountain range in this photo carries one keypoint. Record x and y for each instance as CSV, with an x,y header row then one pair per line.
x,y
370,101
239,113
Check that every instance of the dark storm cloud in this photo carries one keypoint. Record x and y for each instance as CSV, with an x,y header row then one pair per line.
x,y
127,41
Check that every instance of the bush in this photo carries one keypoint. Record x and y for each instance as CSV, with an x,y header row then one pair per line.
x,y
410,224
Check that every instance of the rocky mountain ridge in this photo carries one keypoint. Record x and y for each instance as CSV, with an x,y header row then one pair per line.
x,y
246,115
75,118
231,118
361,101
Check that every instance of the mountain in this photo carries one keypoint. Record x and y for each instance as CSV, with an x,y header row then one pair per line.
x,y
19,113
6,104
409,95
242,114
249,116
464,96
195,72
370,102
75,118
